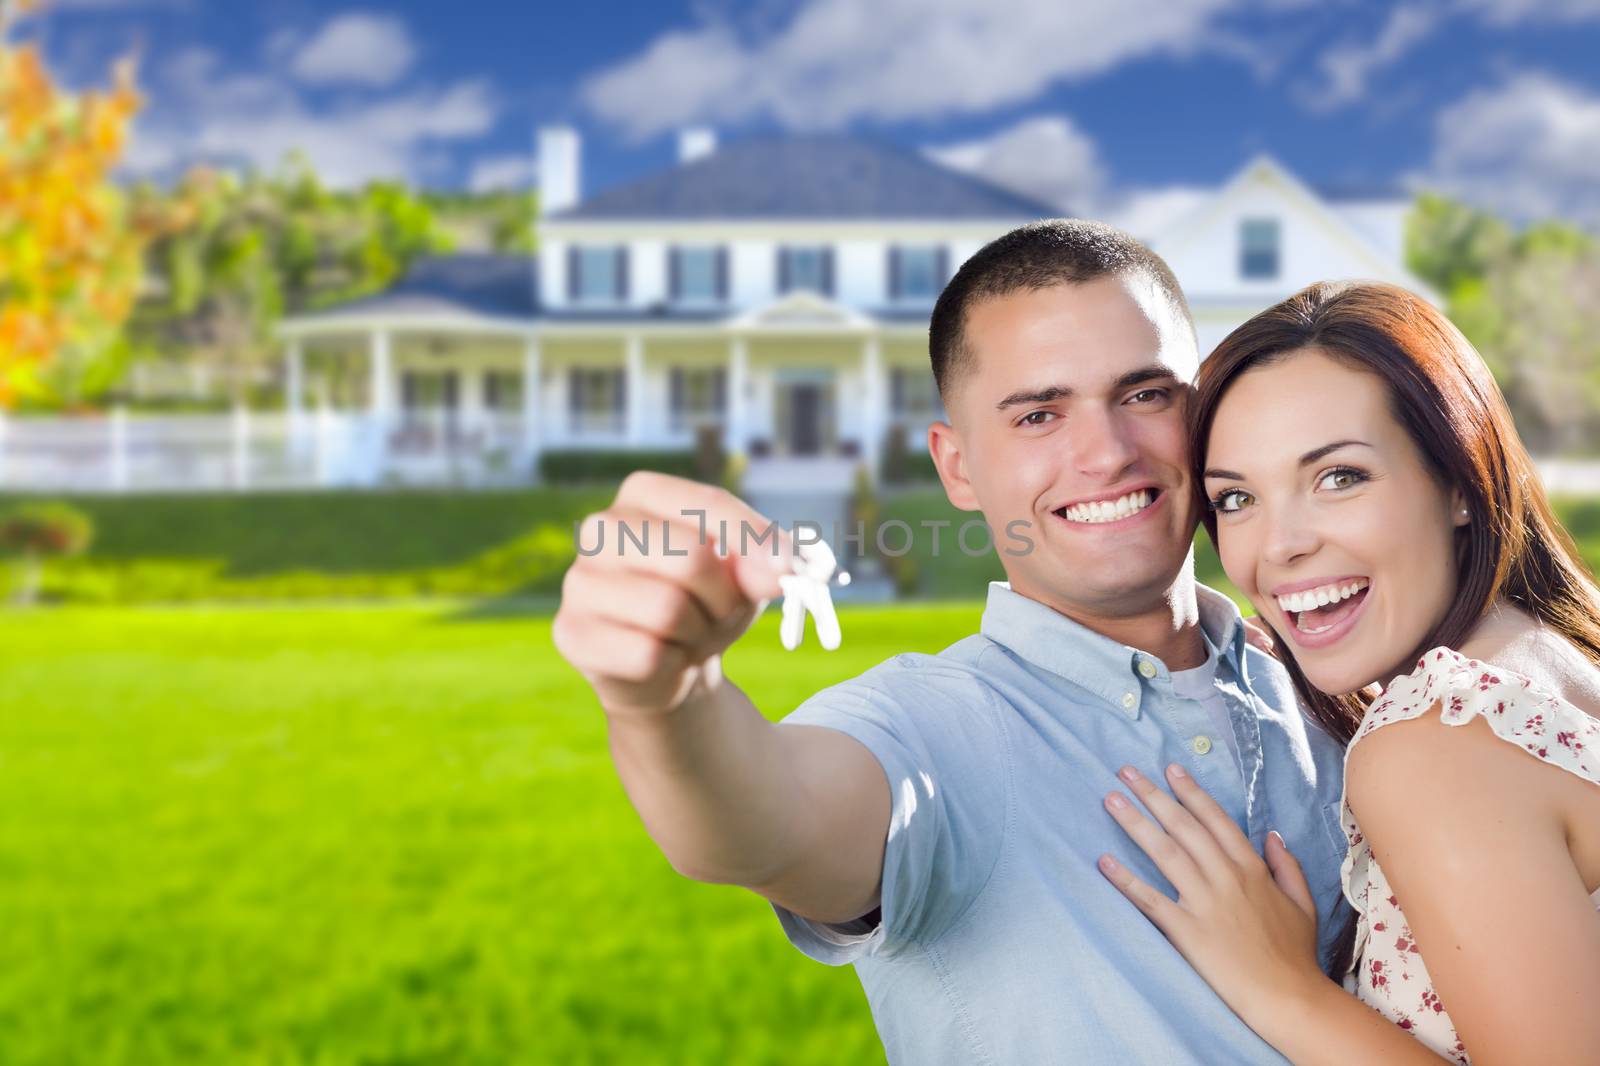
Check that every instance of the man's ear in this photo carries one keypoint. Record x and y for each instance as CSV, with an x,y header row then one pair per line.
x,y
949,458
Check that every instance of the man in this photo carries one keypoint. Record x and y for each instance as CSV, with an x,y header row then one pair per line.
x,y
936,821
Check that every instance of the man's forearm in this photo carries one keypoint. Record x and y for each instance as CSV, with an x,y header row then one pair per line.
x,y
714,786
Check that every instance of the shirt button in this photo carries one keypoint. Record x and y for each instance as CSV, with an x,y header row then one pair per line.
x,y
1147,668
1201,744
1129,699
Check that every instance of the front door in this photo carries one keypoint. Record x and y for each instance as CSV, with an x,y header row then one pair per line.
x,y
805,416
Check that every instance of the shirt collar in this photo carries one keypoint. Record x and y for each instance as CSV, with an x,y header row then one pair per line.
x,y
1053,642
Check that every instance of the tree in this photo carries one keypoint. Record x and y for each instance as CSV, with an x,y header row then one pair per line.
x,y
69,248
1530,303
258,246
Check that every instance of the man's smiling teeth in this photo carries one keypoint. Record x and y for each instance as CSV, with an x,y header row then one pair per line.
x,y
1321,596
1108,510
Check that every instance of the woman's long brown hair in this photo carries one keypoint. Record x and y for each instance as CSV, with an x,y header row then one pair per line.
x,y
1512,550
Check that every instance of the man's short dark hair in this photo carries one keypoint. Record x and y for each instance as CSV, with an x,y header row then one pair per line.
x,y
1055,251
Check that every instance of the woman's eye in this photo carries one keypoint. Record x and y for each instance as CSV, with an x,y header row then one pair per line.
x,y
1342,478
1230,500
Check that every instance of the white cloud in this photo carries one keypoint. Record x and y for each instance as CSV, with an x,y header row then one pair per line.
x,y
497,172
1147,213
1346,67
1508,12
1529,147
1046,157
838,61
356,49
234,117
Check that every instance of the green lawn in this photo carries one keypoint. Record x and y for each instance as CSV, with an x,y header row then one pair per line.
x,y
373,835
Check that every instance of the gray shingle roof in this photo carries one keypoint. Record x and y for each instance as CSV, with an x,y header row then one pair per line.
x,y
477,284
809,177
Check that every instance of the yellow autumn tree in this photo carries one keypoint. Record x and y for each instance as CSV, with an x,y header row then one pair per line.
x,y
69,252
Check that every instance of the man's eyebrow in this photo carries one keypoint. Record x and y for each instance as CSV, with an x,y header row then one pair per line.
x,y
1044,395
1153,372
1305,460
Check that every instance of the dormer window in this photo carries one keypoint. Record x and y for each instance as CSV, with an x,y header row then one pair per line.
x,y
805,267
1259,249
597,273
916,272
698,275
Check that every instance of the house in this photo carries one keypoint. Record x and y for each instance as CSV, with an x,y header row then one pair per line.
x,y
778,289
775,290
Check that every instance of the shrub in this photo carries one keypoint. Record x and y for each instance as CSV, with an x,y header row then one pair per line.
x,y
587,467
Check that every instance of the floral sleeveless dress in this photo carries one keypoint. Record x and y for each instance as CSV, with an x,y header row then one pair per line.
x,y
1388,973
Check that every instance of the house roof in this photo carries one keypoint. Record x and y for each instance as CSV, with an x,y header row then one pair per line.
x,y
473,285
824,177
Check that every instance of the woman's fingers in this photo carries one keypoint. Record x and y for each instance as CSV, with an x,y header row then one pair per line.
x,y
1287,874
1174,862
1184,827
1209,813
1156,906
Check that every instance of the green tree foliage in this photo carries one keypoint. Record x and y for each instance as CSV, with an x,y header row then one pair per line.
x,y
1530,302
264,245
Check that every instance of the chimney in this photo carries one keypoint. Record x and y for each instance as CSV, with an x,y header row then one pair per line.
x,y
696,142
558,169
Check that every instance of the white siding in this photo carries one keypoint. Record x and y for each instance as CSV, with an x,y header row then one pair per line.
x,y
1383,222
859,273
752,273
1311,248
553,273
647,273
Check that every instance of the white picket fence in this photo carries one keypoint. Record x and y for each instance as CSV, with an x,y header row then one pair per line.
x,y
324,448
246,450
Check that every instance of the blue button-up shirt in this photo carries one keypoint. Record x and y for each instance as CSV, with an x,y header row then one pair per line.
x,y
999,939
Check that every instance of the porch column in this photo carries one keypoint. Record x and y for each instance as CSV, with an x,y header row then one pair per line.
x,y
873,404
294,393
379,400
738,381
635,390
531,372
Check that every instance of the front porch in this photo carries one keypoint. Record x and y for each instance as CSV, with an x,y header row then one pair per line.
x,y
476,403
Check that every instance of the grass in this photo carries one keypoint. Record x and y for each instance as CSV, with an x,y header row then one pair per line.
x,y
373,835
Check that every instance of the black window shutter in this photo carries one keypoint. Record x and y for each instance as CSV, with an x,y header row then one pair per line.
x,y
722,274
491,390
675,273
897,390
572,272
408,390
894,272
622,273
574,390
621,391
719,389
827,271
450,384
783,271
941,266
677,389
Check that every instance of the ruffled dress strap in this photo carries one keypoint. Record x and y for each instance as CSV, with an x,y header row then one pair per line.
x,y
1545,726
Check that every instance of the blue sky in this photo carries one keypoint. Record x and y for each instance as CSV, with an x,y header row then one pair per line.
x,y
1085,102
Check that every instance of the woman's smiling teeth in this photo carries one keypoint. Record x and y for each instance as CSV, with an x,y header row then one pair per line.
x,y
1306,607
1109,510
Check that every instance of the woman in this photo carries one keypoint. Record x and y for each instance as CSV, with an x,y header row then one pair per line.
x,y
1369,495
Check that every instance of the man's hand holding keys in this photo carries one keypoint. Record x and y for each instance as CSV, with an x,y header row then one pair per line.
x,y
681,571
